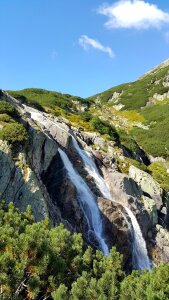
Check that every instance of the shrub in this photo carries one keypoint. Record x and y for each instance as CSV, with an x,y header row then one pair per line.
x,y
104,128
37,261
155,140
40,262
85,116
127,140
6,118
124,165
159,173
14,133
7,108
147,286
76,119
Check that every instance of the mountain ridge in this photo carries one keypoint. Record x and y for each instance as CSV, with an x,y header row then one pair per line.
x,y
163,64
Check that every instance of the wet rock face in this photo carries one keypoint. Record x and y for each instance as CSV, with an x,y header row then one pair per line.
x,y
63,195
126,192
151,208
122,187
159,245
115,228
41,151
147,184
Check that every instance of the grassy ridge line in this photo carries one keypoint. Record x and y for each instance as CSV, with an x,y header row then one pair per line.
x,y
134,97
41,99
136,94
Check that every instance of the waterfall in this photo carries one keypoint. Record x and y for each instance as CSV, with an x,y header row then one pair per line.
x,y
36,115
87,202
92,170
140,259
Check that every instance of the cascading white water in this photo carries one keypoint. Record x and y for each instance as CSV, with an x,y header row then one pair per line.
x,y
87,202
87,160
37,116
42,118
92,170
140,259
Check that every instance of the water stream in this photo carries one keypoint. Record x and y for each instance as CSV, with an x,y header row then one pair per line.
x,y
140,259
88,203
92,170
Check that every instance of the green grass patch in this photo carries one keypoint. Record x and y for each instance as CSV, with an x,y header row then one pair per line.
x,y
76,120
132,115
124,165
159,172
154,141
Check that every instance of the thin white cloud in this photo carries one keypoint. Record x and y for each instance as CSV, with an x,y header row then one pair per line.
x,y
85,42
136,14
166,35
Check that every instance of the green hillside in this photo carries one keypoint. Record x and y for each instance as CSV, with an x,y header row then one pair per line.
x,y
49,100
130,114
136,94
136,108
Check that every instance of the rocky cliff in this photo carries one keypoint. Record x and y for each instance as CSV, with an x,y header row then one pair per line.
x,y
34,174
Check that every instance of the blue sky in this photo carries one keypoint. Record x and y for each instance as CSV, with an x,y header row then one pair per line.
x,y
80,47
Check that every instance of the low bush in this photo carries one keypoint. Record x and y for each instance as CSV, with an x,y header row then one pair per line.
x,y
127,141
160,174
7,108
39,262
104,128
14,133
85,116
4,118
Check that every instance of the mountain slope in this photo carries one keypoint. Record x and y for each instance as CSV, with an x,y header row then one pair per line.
x,y
60,179
85,163
141,108
135,95
132,115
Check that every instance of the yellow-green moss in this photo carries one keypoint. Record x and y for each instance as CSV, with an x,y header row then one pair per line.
x,y
159,171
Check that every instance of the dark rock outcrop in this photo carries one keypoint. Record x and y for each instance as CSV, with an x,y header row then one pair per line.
x,y
115,228
159,245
